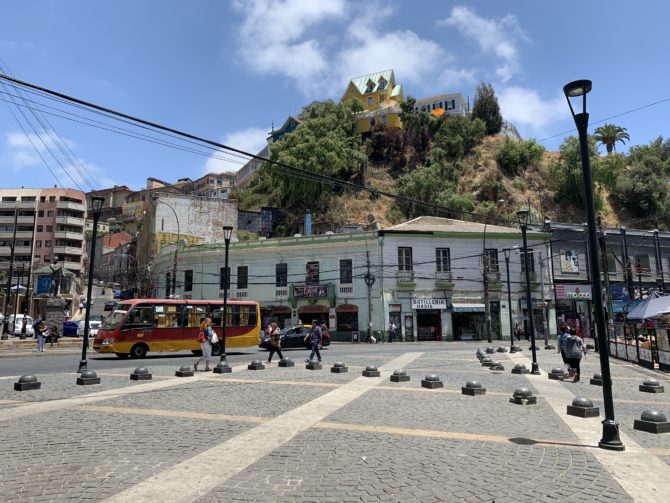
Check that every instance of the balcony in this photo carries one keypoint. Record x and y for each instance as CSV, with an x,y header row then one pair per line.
x,y
8,235
240,294
444,280
79,222
69,205
11,205
72,266
77,236
19,220
405,279
346,289
281,293
67,250
18,250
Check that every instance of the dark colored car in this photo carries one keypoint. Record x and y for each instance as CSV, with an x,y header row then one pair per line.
x,y
70,328
109,305
294,337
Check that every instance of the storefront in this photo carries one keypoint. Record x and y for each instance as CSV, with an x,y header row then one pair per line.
x,y
573,307
281,315
467,321
346,318
429,318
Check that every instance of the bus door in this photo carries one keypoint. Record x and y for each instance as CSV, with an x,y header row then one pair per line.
x,y
168,334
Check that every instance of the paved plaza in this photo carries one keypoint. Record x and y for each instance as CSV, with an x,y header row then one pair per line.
x,y
292,434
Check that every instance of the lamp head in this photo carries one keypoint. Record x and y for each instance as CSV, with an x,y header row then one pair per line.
x,y
507,252
576,89
227,232
96,202
522,217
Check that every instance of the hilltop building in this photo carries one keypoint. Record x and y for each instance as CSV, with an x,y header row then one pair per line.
x,y
379,95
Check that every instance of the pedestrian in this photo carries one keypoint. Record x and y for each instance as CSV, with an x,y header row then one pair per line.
x,y
314,337
275,341
392,332
41,335
205,339
574,350
66,314
517,331
81,305
54,335
562,336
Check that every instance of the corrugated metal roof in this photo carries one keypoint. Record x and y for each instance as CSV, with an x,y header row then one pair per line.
x,y
361,82
438,224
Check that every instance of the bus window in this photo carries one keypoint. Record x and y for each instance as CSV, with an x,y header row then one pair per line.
x,y
167,316
216,314
140,317
244,316
194,315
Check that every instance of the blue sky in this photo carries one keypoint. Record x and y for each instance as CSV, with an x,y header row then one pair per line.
x,y
229,70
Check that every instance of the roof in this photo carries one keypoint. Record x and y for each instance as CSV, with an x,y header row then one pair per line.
x,y
361,82
115,240
438,224
47,270
440,97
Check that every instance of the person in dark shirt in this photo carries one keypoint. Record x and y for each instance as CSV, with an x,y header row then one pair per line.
x,y
314,337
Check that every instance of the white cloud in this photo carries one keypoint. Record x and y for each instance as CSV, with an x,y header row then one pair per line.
x,y
250,140
497,37
24,150
526,109
456,79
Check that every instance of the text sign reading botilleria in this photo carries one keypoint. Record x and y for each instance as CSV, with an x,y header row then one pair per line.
x,y
429,303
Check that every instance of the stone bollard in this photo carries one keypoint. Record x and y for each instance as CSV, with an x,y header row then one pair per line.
x,y
286,362
140,374
490,350
523,396
583,407
651,385
399,376
256,365
431,382
652,421
473,388
371,371
184,371
597,380
496,366
339,368
26,383
530,348
557,374
520,368
222,368
486,361
590,347
313,365
501,349
549,346
88,377
515,349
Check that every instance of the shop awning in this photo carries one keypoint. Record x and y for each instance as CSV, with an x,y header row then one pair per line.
x,y
468,308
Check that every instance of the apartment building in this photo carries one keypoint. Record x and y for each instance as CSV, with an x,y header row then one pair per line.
x,y
443,104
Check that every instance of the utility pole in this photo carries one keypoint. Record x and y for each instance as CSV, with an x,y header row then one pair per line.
x,y
487,303
602,239
545,325
629,269
369,281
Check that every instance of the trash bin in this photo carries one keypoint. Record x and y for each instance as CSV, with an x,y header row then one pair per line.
x,y
354,337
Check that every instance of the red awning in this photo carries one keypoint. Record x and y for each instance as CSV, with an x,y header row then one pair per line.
x,y
346,308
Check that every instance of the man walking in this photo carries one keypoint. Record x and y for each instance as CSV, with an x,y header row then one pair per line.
x,y
314,337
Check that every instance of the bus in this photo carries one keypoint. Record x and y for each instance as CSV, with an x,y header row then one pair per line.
x,y
139,326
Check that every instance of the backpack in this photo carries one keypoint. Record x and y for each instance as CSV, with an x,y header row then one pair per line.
x,y
573,347
36,324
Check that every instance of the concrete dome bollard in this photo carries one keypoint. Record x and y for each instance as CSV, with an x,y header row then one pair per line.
x,y
399,376
286,362
523,396
88,377
184,371
256,365
652,421
597,380
371,371
473,388
222,368
520,368
26,383
141,374
431,381
583,407
651,385
557,374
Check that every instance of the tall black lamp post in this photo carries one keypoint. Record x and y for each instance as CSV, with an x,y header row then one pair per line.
x,y
524,216
512,347
96,203
610,437
223,366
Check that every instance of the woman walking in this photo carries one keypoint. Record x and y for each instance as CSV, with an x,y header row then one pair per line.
x,y
565,333
574,350
275,342
205,339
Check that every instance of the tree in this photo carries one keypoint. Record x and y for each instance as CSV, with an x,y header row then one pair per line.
x,y
609,135
487,109
514,157
568,176
459,135
644,190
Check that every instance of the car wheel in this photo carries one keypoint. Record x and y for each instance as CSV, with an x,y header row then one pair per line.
x,y
138,351
122,356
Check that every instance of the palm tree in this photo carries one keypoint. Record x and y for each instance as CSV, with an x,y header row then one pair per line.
x,y
609,135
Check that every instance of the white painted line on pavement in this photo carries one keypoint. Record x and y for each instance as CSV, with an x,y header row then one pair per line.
x,y
187,480
641,474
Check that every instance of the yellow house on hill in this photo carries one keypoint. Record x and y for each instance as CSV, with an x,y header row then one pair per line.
x,y
380,97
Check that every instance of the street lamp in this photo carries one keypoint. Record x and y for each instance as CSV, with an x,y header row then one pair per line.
x,y
610,436
96,203
523,217
223,367
512,347
176,252
485,268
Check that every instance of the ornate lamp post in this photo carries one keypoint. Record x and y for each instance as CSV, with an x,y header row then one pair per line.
x,y
96,202
223,366
610,436
523,217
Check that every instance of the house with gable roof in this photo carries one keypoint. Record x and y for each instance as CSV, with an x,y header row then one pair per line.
x,y
379,95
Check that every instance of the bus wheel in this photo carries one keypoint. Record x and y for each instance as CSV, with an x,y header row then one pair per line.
x,y
138,351
197,352
122,356
216,349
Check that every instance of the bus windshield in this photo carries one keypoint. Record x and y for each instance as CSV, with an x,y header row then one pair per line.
x,y
113,320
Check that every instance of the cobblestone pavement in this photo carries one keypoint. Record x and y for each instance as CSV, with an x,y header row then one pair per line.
x,y
374,441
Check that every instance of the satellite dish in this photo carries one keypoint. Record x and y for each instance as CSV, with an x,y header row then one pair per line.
x,y
371,218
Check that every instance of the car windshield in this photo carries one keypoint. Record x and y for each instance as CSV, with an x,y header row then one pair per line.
x,y
113,320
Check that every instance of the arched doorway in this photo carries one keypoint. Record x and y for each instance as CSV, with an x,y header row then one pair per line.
x,y
279,314
313,311
347,318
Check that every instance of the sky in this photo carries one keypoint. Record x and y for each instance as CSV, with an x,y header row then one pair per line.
x,y
229,71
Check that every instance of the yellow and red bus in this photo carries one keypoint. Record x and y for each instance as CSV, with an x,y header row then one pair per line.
x,y
138,326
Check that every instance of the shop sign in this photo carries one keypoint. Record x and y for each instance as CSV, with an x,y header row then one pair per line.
x,y
395,308
573,292
429,303
310,291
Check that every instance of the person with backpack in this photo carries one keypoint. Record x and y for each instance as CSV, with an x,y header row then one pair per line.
x,y
314,337
574,350
275,341
41,333
205,340
562,336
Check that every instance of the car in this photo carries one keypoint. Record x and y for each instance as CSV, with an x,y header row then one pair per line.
x,y
294,337
95,317
16,328
70,328
93,327
109,305
117,294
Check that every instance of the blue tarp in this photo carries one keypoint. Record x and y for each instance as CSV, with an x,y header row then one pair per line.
x,y
653,305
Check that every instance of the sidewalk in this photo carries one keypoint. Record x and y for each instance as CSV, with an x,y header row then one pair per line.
x,y
292,434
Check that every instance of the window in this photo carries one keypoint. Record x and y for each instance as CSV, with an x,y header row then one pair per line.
x,y
242,277
369,101
40,213
642,265
167,284
43,199
188,280
224,279
9,199
281,275
50,228
384,119
312,272
40,228
166,316
52,199
382,83
346,271
38,243
47,243
37,258
611,263
442,260
211,181
50,213
440,105
531,261
370,86
405,258
373,121
491,263
140,316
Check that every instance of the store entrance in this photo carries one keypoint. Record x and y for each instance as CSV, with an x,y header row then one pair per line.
x,y
467,326
428,325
